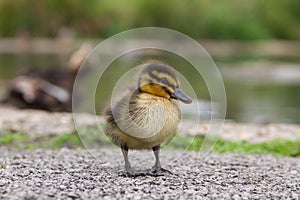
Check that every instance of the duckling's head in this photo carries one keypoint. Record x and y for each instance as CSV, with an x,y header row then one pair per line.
x,y
160,80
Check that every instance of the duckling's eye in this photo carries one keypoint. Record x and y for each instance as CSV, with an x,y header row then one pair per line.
x,y
164,80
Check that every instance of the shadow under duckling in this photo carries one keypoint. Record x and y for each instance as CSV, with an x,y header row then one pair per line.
x,y
49,89
147,116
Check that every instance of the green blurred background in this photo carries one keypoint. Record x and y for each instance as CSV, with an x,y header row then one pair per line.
x,y
220,19
254,93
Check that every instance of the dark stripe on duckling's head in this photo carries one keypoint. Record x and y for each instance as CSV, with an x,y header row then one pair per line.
x,y
160,71
160,80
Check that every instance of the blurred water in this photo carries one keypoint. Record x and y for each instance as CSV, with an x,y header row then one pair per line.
x,y
247,101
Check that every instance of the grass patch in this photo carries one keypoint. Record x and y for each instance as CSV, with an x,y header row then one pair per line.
x,y
92,139
8,138
88,137
15,139
65,140
23,141
179,142
280,147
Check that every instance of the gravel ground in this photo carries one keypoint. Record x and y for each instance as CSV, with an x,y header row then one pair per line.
x,y
77,174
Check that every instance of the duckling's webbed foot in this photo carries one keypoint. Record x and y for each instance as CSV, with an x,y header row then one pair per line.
x,y
129,171
157,170
133,173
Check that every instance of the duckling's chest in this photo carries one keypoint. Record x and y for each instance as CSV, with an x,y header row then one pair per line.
x,y
154,116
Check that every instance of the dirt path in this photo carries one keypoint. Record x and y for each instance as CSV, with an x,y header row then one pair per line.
x,y
77,174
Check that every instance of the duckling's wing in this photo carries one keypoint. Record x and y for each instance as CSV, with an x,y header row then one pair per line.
x,y
117,103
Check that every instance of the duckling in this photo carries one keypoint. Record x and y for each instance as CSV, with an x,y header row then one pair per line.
x,y
147,116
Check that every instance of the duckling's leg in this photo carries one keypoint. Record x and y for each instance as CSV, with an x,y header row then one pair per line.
x,y
129,171
157,170
128,167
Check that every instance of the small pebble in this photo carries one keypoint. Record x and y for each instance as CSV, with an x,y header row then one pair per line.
x,y
62,187
73,195
3,165
2,182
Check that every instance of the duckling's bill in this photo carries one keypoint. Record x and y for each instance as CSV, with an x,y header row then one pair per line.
x,y
179,94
